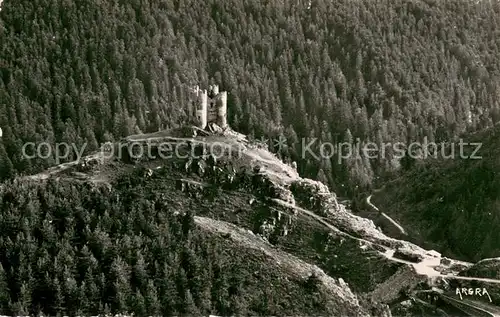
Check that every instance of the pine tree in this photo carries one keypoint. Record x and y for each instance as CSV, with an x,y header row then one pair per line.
x,y
189,307
23,305
220,295
6,167
4,290
169,295
58,306
140,273
119,277
151,299
139,307
322,177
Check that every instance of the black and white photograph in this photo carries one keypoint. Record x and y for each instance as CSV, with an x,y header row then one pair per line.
x,y
250,158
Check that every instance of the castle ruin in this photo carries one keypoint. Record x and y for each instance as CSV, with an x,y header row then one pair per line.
x,y
209,106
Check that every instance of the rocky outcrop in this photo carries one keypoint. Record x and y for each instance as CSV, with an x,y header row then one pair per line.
x,y
315,196
406,255
393,288
282,193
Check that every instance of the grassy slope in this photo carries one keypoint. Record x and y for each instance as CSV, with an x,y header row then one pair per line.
x,y
451,203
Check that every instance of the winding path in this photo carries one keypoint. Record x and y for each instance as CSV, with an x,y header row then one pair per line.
x,y
426,267
397,225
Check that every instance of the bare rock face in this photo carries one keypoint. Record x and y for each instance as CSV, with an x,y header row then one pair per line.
x,y
404,254
390,290
282,193
214,128
315,196
445,261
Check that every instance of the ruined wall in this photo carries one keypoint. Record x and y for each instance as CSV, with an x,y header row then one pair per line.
x,y
222,110
212,112
199,99
211,106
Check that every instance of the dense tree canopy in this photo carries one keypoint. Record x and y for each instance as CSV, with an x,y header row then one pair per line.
x,y
452,204
72,248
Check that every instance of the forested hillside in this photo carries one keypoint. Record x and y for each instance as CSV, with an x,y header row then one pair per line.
x,y
126,250
452,203
91,71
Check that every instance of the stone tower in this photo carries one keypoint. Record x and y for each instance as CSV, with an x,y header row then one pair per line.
x,y
211,106
199,102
